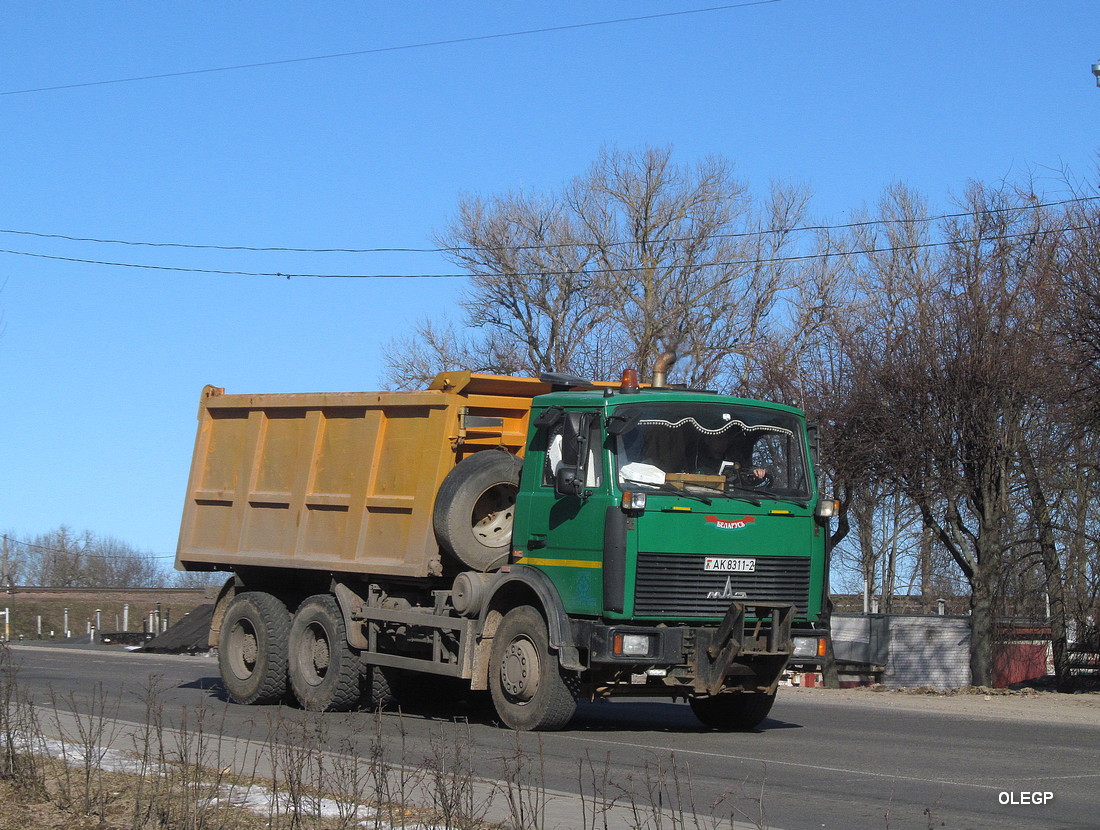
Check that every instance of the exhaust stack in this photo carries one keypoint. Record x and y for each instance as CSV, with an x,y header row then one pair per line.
x,y
661,367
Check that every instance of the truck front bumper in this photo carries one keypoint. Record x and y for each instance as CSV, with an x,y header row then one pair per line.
x,y
702,657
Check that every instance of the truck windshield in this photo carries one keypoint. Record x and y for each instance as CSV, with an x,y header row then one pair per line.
x,y
711,450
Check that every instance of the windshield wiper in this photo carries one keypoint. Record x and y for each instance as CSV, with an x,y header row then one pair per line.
x,y
769,493
690,495
740,489
675,492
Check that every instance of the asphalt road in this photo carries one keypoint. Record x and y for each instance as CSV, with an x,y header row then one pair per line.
x,y
844,765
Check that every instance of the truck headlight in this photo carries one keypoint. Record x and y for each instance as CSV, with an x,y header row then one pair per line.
x,y
806,647
633,645
633,501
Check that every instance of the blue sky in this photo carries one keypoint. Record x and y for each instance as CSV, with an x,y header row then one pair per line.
x,y
101,367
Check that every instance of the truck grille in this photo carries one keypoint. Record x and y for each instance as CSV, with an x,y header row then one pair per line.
x,y
675,585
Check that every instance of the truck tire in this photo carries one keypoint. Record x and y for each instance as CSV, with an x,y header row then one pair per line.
x,y
734,710
326,673
252,648
475,507
378,688
530,690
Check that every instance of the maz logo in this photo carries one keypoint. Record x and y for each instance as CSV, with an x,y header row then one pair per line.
x,y
734,524
727,592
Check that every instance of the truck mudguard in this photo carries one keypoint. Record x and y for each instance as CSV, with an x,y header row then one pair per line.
x,y
557,621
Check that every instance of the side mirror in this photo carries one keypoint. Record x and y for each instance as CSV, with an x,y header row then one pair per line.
x,y
571,476
569,480
813,435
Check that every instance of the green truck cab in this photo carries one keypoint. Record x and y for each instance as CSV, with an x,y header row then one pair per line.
x,y
681,534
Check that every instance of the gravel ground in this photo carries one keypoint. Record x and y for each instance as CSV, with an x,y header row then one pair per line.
x,y
1025,704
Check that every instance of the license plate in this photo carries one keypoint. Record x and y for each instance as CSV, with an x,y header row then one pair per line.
x,y
718,563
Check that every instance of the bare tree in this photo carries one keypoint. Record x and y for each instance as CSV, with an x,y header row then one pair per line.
x,y
1076,325
13,556
59,557
949,377
198,579
1077,516
684,261
853,290
530,280
414,360
117,564
64,559
1065,472
634,257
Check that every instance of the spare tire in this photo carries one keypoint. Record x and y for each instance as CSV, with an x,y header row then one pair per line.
x,y
475,507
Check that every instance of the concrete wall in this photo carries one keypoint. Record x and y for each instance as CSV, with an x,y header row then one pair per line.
x,y
915,650
928,651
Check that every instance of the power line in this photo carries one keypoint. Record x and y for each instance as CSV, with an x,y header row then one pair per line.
x,y
382,49
202,247
528,274
126,556
223,272
461,249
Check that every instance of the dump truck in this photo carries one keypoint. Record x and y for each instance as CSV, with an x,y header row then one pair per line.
x,y
536,541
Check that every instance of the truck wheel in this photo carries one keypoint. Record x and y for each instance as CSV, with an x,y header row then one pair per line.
x,y
475,507
252,648
325,672
530,690
734,710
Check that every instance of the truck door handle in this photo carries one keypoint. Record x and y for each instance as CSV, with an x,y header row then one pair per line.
x,y
536,543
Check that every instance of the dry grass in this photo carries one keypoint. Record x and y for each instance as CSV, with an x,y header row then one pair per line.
x,y
69,764
50,805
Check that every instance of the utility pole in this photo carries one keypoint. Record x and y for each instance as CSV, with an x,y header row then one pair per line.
x,y
5,572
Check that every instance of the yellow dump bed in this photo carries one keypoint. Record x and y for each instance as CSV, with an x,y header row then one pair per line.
x,y
342,481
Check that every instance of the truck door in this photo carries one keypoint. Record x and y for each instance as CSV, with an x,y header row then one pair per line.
x,y
561,507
